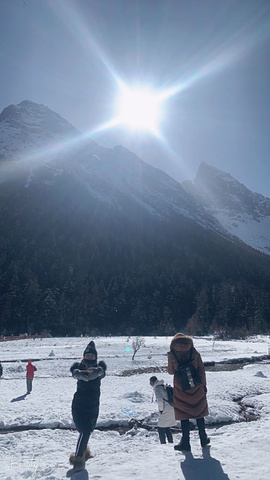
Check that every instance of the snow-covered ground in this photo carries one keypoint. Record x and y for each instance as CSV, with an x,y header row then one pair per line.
x,y
239,448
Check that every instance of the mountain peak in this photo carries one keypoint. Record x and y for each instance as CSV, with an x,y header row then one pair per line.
x,y
13,111
30,125
240,211
207,172
29,113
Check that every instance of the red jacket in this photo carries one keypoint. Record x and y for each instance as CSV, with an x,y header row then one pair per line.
x,y
30,370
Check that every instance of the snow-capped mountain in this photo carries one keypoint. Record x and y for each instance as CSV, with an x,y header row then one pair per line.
x,y
47,146
29,126
48,150
241,212
96,240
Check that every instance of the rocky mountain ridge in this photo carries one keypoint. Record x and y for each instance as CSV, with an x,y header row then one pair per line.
x,y
241,212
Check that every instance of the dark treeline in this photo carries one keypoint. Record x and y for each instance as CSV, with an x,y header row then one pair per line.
x,y
68,267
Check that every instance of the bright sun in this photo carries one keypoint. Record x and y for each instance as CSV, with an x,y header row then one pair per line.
x,y
139,108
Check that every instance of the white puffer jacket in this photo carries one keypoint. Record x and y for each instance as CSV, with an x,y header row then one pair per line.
x,y
166,418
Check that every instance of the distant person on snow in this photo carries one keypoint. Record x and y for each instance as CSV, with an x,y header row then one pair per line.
x,y
1,369
166,411
185,363
30,369
85,404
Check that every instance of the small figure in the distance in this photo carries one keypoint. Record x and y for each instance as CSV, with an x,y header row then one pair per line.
x,y
30,369
1,369
166,418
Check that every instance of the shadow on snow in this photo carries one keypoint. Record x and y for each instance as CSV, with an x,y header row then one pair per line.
x,y
205,468
18,399
81,475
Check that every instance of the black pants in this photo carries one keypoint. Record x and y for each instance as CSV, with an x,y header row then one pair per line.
x,y
82,442
85,422
163,433
200,424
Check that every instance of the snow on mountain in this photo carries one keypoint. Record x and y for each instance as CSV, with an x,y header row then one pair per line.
x,y
149,187
28,126
241,212
36,136
45,146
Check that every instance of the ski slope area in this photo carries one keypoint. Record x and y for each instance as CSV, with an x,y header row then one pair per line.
x,y
41,450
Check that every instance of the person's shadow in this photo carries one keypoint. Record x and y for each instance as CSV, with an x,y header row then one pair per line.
x,y
206,468
81,475
18,399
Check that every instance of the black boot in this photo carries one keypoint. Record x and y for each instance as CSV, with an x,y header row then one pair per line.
x,y
205,441
184,445
202,433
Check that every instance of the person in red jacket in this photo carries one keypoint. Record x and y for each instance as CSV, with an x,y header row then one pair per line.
x,y
30,369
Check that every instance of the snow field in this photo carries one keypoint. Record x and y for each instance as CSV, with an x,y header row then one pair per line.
x,y
239,450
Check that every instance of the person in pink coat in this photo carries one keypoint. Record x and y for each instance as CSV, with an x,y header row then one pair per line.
x,y
30,369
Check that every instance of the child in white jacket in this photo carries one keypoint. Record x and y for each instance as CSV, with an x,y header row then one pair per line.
x,y
166,411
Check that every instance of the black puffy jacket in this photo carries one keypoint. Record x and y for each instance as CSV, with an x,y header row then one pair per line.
x,y
85,404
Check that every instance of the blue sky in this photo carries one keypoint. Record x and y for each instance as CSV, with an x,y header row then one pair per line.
x,y
69,54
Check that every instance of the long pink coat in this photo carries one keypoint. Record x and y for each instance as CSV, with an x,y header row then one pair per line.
x,y
190,403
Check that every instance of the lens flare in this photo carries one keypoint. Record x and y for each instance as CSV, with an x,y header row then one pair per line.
x,y
139,108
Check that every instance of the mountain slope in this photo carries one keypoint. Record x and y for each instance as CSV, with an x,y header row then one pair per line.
x,y
241,212
41,140
94,240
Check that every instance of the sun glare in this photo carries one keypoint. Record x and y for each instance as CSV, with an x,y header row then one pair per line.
x,y
139,108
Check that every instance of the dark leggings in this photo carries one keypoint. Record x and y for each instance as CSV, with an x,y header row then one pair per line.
x,y
163,433
85,424
82,443
200,424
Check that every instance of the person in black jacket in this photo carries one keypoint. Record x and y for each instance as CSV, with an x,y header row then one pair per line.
x,y
85,404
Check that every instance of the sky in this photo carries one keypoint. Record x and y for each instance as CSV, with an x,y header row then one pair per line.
x,y
212,56
41,446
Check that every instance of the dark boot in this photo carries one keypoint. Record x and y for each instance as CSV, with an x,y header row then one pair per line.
x,y
205,441
184,445
202,433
